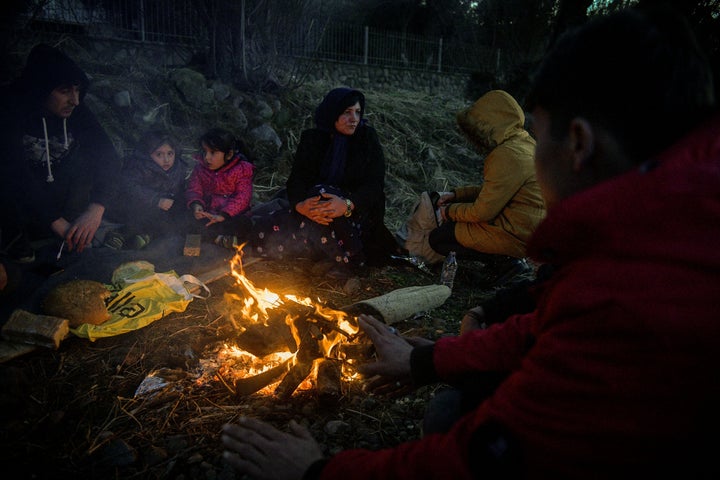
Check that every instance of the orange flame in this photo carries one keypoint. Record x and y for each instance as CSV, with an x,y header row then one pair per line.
x,y
255,307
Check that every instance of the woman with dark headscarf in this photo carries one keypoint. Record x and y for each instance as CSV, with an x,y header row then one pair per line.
x,y
336,191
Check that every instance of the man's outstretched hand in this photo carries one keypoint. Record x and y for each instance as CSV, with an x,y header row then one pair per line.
x,y
262,451
391,371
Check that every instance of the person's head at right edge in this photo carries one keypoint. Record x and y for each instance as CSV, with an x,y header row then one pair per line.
x,y
640,74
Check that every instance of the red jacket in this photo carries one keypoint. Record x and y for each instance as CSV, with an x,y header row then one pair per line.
x,y
623,377
225,190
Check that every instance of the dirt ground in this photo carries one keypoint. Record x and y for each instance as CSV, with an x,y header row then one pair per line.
x,y
81,412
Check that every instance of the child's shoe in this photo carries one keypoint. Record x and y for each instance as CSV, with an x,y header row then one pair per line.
x,y
227,241
114,240
139,241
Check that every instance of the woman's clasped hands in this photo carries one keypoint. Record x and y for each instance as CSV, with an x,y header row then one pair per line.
x,y
322,208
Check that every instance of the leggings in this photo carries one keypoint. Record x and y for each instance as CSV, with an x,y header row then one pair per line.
x,y
442,240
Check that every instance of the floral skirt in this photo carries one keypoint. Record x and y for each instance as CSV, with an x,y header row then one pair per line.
x,y
286,234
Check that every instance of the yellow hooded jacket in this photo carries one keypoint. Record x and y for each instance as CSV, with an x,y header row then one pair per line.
x,y
499,216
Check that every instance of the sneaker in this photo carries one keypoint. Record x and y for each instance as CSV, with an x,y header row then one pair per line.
x,y
227,241
139,241
114,240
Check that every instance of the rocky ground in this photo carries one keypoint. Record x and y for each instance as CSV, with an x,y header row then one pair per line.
x,y
85,410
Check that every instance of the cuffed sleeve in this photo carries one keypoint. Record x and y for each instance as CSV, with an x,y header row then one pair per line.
x,y
422,368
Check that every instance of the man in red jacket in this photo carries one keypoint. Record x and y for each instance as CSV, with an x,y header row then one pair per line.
x,y
616,373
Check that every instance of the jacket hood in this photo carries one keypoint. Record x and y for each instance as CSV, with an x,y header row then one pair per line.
x,y
48,68
492,119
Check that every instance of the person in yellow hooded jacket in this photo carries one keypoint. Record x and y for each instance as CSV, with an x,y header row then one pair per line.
x,y
497,217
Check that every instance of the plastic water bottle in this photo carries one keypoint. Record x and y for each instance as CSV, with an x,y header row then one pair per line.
x,y
449,269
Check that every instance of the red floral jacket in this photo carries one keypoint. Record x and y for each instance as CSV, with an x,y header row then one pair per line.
x,y
226,190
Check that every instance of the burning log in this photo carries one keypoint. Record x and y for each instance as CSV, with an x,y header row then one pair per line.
x,y
307,353
270,325
262,340
292,379
327,326
328,380
249,385
355,352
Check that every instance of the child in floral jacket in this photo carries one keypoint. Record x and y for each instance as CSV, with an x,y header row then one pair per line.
x,y
219,191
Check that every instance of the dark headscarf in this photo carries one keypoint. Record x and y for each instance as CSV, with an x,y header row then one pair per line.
x,y
48,68
326,114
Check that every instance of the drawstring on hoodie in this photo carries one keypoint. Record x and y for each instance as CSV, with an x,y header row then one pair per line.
x,y
47,153
50,177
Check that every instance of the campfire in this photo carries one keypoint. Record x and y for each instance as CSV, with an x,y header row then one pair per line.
x,y
286,343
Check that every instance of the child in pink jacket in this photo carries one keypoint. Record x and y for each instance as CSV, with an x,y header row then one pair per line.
x,y
220,189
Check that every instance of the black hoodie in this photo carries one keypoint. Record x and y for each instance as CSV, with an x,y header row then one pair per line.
x,y
84,165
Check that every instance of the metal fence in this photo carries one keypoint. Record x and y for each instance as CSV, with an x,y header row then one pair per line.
x,y
156,21
369,46
178,22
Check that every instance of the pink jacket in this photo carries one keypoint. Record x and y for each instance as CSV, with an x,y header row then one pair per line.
x,y
225,190
616,374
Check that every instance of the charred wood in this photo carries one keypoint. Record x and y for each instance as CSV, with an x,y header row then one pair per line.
x,y
293,379
328,380
249,385
262,340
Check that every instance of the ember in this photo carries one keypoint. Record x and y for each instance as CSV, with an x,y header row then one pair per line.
x,y
286,342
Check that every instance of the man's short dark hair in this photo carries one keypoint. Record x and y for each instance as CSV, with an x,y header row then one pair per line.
x,y
639,74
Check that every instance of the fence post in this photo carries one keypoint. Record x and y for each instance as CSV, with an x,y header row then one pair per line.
x,y
440,55
366,43
142,21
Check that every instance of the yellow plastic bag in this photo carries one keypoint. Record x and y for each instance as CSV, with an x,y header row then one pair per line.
x,y
139,297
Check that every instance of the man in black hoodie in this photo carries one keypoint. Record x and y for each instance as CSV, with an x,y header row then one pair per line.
x,y
58,166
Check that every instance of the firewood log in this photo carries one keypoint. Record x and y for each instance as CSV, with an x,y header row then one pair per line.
x,y
249,385
262,340
328,380
293,379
